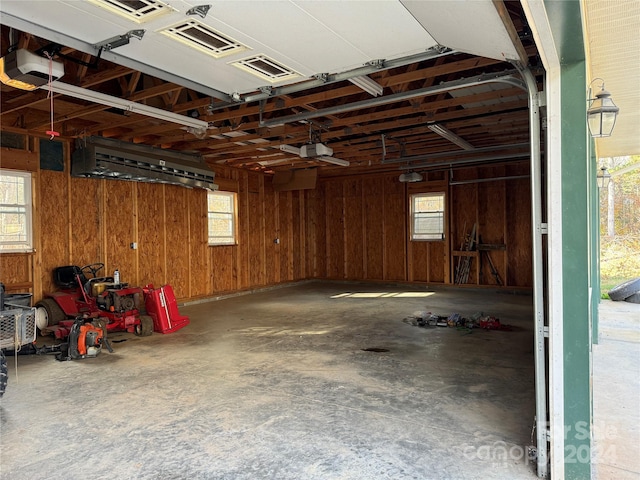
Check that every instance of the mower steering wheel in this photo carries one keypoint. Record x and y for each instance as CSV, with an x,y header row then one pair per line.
x,y
94,268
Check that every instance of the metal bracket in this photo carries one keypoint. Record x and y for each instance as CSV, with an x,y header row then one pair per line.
x,y
119,40
440,49
200,10
379,63
542,99
545,331
267,89
547,435
543,228
323,77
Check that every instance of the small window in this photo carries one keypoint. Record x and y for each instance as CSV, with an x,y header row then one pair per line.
x,y
222,218
427,216
15,212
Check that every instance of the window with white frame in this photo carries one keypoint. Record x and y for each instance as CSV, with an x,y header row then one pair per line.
x,y
221,207
15,211
427,216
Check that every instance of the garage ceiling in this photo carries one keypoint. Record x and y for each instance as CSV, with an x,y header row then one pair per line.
x,y
414,50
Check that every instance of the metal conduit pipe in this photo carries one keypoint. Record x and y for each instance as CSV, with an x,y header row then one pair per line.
x,y
467,161
429,156
483,180
506,76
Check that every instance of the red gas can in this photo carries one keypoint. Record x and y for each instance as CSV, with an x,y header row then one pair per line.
x,y
162,306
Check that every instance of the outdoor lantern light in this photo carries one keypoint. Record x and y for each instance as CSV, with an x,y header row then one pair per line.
x,y
602,113
603,178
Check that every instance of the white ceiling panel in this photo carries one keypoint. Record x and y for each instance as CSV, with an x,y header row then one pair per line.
x,y
308,37
379,29
471,26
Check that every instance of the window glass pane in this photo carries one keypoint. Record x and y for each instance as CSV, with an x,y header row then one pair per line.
x,y
220,203
15,211
427,211
221,218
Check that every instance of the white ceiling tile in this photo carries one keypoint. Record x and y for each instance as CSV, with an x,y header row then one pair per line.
x,y
471,26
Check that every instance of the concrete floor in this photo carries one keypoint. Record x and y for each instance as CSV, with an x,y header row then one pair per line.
x,y
616,393
276,385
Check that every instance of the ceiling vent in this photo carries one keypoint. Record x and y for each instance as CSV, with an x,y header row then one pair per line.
x,y
99,157
204,38
266,68
138,10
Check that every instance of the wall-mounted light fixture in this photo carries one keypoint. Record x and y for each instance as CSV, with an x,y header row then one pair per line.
x,y
603,178
602,112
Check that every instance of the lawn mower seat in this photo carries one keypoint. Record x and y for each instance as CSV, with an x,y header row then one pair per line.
x,y
65,277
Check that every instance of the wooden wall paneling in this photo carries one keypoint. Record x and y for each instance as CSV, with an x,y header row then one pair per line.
x,y
418,262
256,230
310,237
16,272
373,198
272,250
354,229
151,234
437,266
491,207
302,235
119,223
84,221
395,229
198,244
222,269
335,229
20,159
322,233
54,224
519,253
318,234
297,253
176,233
285,227
244,219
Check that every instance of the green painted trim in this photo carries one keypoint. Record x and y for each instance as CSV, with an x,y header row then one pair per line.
x,y
565,19
595,242
576,212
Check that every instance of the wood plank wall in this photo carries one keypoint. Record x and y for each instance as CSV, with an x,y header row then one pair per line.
x,y
367,233
350,228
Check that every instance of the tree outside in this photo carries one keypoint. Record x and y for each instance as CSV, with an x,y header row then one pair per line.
x,y
620,222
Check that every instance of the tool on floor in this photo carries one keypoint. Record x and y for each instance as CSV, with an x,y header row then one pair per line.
x,y
86,339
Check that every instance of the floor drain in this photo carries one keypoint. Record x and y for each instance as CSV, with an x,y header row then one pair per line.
x,y
376,350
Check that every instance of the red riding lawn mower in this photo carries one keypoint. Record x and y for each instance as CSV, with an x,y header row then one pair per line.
x,y
113,306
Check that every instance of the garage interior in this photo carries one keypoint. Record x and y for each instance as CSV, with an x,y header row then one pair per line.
x,y
434,105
